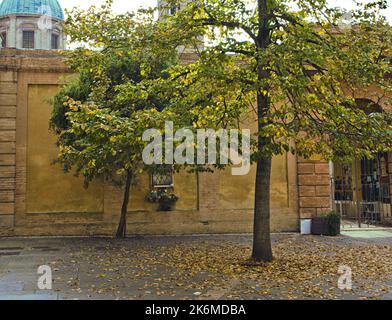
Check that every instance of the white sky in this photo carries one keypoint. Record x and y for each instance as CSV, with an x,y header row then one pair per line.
x,y
122,6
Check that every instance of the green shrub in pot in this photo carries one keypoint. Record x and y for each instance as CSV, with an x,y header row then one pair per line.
x,y
327,224
334,223
164,198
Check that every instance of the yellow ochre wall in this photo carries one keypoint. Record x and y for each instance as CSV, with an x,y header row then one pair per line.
x,y
38,199
237,192
51,191
48,188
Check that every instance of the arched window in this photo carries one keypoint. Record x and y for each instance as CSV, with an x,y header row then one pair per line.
x,y
3,39
363,188
374,172
28,35
55,41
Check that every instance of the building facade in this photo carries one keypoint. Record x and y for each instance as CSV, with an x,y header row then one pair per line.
x,y
37,198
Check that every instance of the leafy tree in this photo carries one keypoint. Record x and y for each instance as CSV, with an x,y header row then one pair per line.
x,y
297,67
99,131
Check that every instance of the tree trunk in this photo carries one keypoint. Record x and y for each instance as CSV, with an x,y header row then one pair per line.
x,y
262,248
122,227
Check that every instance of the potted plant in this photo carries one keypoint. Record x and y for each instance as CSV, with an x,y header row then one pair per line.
x,y
165,199
327,225
334,223
320,226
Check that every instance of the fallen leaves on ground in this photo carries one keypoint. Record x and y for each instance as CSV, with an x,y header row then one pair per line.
x,y
304,268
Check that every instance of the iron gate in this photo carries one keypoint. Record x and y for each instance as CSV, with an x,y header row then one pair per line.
x,y
362,191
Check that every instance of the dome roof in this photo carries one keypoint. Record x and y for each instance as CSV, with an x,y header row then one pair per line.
x,y
36,7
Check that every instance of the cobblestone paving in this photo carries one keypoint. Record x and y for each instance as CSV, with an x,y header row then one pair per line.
x,y
102,268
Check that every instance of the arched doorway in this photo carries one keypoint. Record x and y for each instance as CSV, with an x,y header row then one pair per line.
x,y
362,188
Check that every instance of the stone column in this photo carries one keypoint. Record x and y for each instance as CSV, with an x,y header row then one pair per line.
x,y
8,92
315,190
12,33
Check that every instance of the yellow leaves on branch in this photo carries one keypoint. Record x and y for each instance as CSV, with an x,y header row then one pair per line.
x,y
91,164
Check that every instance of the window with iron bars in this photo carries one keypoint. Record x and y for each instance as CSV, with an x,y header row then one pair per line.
x,y
55,41
3,40
28,39
163,177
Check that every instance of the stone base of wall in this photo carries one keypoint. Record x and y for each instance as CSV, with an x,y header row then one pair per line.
x,y
152,223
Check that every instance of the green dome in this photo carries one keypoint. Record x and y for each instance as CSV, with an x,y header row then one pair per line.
x,y
38,7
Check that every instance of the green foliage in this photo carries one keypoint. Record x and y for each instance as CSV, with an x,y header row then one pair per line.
x,y
165,199
79,90
334,223
291,70
327,224
294,74
100,116
300,72
101,142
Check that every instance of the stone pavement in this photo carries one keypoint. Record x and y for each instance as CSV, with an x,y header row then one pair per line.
x,y
103,268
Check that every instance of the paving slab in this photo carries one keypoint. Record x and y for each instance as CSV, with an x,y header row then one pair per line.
x,y
368,234
30,297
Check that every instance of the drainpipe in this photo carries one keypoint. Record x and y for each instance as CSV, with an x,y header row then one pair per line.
x,y
332,182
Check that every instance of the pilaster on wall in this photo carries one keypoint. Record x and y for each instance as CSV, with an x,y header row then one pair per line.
x,y
8,93
315,191
390,174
